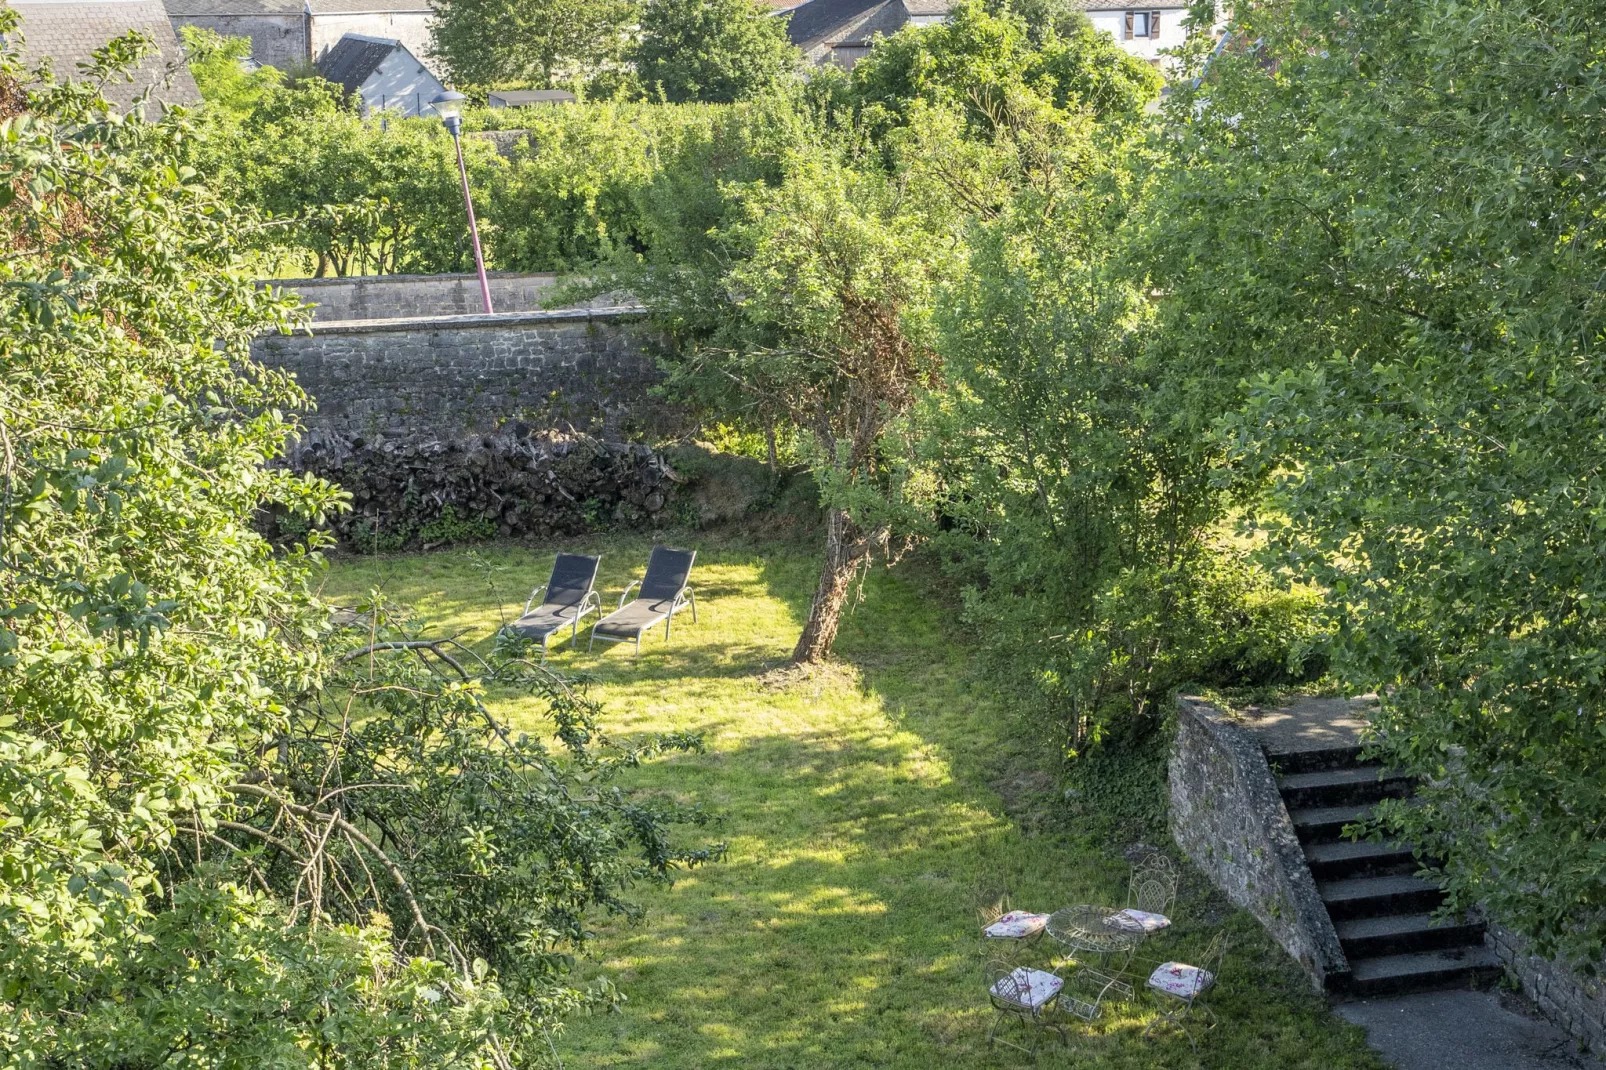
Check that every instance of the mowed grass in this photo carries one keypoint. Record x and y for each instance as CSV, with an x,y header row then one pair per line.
x,y
863,811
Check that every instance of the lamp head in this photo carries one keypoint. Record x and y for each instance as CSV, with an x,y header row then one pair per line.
x,y
449,106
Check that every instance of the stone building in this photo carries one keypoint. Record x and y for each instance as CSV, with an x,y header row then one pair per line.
x,y
286,32
64,33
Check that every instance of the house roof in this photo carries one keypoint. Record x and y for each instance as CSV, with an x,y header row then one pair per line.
x,y
817,18
355,58
927,7
66,32
516,97
212,8
217,8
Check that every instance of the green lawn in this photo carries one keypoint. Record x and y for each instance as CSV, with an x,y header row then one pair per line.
x,y
865,818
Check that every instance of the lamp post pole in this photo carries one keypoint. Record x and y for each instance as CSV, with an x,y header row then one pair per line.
x,y
447,105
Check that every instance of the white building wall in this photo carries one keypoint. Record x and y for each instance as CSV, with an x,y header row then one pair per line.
x,y
401,84
1171,33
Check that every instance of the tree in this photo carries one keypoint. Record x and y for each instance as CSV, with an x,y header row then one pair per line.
x,y
1387,219
486,42
712,50
218,65
235,832
975,60
354,195
803,294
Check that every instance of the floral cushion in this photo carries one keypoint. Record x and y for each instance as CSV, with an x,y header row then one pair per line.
x,y
1180,980
1139,921
1027,987
1016,924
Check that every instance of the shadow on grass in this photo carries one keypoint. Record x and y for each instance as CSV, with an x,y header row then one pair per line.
x,y
865,826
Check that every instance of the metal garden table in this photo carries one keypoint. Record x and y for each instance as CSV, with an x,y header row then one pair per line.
x,y
1095,931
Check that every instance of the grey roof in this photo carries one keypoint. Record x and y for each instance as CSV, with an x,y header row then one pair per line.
x,y
216,8
927,7
66,33
516,97
354,59
817,18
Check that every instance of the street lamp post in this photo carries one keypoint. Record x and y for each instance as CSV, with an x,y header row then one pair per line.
x,y
448,107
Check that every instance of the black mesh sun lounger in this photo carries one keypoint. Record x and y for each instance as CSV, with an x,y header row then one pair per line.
x,y
664,592
569,597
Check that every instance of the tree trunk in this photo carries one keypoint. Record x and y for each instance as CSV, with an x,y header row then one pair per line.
x,y
843,552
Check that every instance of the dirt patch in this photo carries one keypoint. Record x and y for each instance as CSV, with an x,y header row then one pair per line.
x,y
813,680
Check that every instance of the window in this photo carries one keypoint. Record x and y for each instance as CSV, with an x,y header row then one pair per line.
x,y
1142,24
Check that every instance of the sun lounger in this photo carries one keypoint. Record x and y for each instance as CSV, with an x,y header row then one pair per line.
x,y
664,592
570,596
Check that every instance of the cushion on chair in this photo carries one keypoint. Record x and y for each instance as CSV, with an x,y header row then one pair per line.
x,y
1016,925
1143,921
1028,988
1180,980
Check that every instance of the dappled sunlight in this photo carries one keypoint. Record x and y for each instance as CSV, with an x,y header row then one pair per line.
x,y
840,929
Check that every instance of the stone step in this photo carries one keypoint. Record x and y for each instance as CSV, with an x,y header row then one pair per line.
x,y
1396,934
1349,858
1284,763
1342,787
1372,897
1325,824
1423,970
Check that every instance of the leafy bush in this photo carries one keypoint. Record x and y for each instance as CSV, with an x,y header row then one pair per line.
x,y
713,50
1381,218
231,829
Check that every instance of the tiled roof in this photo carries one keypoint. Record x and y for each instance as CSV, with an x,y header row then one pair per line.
x,y
354,59
213,8
927,7
67,33
817,18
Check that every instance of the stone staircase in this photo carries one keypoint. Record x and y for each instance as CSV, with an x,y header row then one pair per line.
x,y
1380,909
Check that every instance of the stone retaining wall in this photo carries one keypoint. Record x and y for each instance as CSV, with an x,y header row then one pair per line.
x,y
1572,1001
1228,817
441,377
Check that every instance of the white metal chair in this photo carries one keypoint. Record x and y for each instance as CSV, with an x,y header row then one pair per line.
x,y
1181,986
1026,995
1007,933
1151,894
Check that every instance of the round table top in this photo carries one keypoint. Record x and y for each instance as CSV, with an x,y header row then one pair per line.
x,y
1086,927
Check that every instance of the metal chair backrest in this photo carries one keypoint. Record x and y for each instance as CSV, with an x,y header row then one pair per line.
x,y
1154,884
573,576
667,573
1214,956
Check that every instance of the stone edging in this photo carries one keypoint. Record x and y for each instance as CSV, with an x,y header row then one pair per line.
x,y
478,319
1228,816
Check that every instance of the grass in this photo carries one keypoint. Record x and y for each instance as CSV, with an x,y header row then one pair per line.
x,y
870,807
